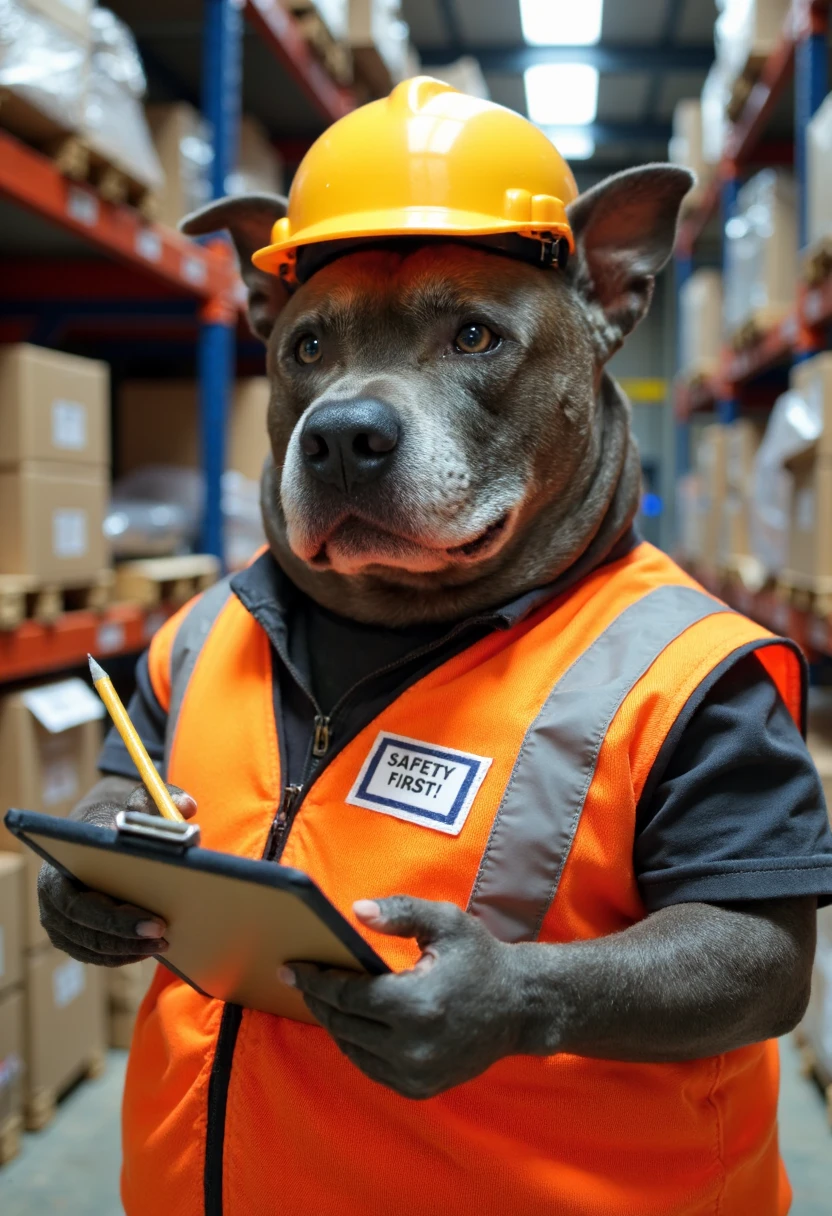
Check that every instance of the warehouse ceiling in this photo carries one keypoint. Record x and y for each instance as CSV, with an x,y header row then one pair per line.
x,y
650,54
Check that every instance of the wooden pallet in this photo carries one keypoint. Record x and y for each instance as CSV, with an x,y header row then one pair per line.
x,y
758,326
165,580
335,56
744,83
10,1135
40,1106
805,593
25,598
816,263
74,157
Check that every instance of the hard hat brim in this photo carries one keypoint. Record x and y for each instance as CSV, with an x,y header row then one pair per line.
x,y
409,221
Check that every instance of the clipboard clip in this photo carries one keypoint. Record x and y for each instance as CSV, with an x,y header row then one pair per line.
x,y
139,827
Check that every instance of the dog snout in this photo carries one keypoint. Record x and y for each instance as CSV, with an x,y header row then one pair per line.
x,y
348,443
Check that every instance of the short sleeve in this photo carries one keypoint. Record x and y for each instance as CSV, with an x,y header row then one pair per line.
x,y
150,720
734,808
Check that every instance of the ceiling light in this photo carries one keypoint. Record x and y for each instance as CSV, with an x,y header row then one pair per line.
x,y
561,94
561,22
573,143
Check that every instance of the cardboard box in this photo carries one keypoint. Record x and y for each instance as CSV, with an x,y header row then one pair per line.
x,y
812,379
711,467
379,41
53,522
735,533
819,173
11,920
45,769
743,440
158,423
182,138
761,262
700,322
686,141
127,987
11,1056
65,1022
71,15
53,407
810,519
260,169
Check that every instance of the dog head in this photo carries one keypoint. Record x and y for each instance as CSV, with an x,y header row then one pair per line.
x,y
444,436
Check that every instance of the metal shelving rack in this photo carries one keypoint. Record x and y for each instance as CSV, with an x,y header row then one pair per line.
x,y
152,281
801,56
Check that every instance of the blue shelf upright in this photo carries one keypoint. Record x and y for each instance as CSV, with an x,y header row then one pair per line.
x,y
221,94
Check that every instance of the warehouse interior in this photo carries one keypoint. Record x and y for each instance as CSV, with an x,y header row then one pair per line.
x,y
133,397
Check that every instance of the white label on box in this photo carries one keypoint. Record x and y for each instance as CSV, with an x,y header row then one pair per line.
x,y
60,781
149,244
82,206
69,425
68,982
804,509
194,270
110,637
69,532
11,1069
59,707
153,623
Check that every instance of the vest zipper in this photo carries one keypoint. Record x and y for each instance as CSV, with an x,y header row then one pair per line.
x,y
280,824
232,1014
320,740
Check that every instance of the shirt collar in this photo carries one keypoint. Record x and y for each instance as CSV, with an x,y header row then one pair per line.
x,y
269,594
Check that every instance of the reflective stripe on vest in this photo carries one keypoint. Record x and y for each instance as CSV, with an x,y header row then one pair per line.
x,y
189,640
541,808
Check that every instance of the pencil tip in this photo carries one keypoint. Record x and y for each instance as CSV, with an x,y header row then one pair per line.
x,y
96,670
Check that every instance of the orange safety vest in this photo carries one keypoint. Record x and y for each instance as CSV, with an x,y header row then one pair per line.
x,y
247,1114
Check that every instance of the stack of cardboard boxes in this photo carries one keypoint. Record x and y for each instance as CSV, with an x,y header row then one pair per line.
x,y
54,465
809,562
50,736
11,1004
817,1025
714,504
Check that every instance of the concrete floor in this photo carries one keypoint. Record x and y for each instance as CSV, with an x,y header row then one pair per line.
x,y
71,1168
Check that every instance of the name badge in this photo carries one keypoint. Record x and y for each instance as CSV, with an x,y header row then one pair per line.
x,y
419,782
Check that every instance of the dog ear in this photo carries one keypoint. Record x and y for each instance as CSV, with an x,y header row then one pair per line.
x,y
624,229
249,219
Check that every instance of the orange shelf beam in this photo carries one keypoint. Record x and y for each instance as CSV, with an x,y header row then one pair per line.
x,y
31,180
33,649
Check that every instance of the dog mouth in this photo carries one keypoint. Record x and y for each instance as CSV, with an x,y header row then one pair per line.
x,y
361,543
473,548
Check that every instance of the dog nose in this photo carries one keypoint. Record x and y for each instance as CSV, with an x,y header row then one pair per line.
x,y
348,443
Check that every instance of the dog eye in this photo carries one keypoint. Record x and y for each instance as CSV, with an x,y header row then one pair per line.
x,y
308,349
475,339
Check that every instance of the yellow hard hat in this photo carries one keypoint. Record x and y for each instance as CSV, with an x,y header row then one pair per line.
x,y
426,161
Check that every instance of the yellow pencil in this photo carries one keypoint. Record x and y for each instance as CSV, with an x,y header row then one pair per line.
x,y
147,770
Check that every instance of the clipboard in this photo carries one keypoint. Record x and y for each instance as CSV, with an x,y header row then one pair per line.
x,y
231,921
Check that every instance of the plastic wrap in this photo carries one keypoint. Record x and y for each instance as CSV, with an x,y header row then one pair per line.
x,y
243,531
156,511
114,119
796,423
42,65
715,93
761,251
819,173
